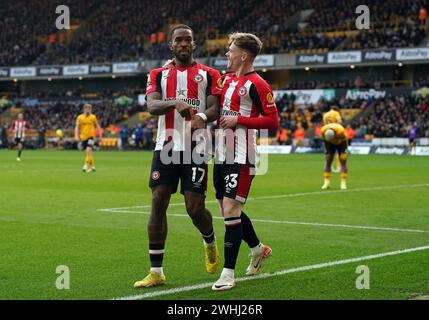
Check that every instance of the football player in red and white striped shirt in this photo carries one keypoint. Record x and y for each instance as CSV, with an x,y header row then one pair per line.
x,y
247,104
184,95
18,128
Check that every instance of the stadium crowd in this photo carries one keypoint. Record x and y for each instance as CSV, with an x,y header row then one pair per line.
x,y
334,84
26,25
122,30
390,117
62,115
393,116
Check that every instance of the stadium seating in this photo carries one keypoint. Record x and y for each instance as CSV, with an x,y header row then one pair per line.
x,y
123,30
393,116
62,115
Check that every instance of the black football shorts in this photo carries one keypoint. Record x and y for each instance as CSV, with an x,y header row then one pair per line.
x,y
193,177
88,143
331,148
232,181
19,140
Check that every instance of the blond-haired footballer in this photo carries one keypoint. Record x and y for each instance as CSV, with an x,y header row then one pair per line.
x,y
84,131
334,137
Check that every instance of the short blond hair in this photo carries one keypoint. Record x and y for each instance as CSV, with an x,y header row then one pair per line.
x,y
246,41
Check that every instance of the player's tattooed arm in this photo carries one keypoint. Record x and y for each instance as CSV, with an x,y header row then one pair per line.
x,y
212,113
157,107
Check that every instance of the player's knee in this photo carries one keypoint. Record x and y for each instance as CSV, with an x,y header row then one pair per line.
x,y
231,209
159,200
195,208
343,157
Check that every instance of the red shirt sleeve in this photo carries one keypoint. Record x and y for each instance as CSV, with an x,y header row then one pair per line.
x,y
154,81
263,98
214,85
269,121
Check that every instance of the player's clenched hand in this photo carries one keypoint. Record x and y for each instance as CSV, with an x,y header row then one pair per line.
x,y
197,123
184,109
228,122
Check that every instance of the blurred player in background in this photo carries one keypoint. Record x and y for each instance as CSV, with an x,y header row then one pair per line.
x,y
18,128
84,131
333,116
247,104
335,140
412,138
171,92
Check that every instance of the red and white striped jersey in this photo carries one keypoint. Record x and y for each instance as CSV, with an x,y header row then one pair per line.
x,y
248,96
192,84
18,127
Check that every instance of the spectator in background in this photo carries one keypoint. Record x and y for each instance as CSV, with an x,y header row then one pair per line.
x,y
412,137
423,15
148,134
350,134
299,134
317,140
124,134
3,136
281,136
138,136
42,133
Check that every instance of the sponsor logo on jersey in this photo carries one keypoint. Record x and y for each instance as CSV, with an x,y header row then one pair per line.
x,y
270,98
194,103
229,113
219,84
182,92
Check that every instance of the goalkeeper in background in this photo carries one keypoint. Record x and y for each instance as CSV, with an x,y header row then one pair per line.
x,y
84,132
334,137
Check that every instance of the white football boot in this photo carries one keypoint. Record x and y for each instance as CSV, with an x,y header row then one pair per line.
x,y
225,282
257,259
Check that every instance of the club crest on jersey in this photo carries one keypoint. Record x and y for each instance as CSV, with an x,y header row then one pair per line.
x,y
242,91
155,175
198,78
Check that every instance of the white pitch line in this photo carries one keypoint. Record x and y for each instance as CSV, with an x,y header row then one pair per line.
x,y
270,275
348,226
123,209
42,170
295,195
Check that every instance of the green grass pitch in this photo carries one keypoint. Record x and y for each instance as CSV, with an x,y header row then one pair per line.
x,y
50,215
